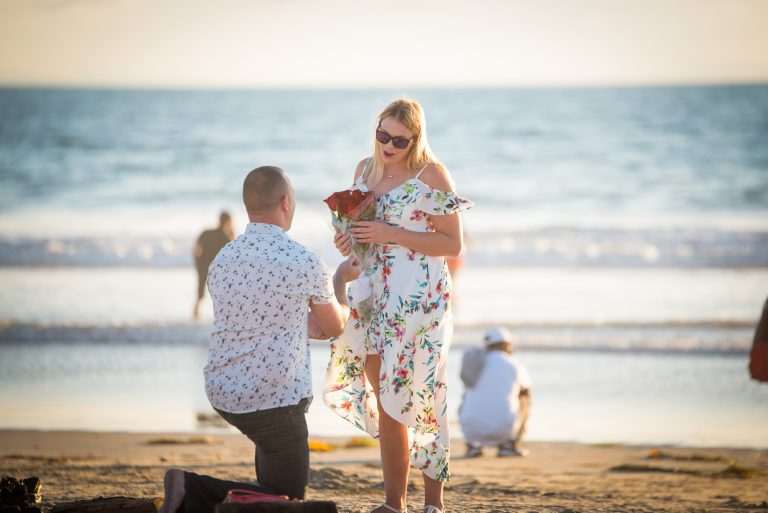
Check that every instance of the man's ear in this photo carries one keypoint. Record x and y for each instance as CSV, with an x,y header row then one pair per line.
x,y
285,203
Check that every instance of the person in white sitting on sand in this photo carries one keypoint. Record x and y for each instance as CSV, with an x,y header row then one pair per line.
x,y
497,398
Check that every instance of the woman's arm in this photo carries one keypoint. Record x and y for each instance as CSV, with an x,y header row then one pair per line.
x,y
447,238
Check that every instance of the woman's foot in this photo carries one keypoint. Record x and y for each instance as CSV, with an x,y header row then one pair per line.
x,y
429,508
386,508
173,486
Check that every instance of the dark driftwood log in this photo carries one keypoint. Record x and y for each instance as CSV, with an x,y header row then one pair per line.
x,y
107,505
279,507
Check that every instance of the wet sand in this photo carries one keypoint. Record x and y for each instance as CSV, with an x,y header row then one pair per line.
x,y
555,477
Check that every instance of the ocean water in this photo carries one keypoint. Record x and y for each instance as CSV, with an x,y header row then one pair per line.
x,y
619,232
585,396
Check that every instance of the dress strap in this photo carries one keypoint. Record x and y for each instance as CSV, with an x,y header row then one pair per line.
x,y
360,182
421,171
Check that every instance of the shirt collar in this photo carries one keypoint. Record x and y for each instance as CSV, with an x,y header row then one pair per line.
x,y
263,228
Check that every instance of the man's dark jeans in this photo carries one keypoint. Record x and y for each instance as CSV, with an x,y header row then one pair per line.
x,y
203,493
282,451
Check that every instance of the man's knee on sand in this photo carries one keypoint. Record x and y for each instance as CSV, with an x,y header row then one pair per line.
x,y
282,452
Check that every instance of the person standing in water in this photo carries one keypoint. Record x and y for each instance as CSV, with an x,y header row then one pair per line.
x,y
208,245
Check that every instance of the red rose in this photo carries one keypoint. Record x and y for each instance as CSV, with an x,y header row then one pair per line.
x,y
348,202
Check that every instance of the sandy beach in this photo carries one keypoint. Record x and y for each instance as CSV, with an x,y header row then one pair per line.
x,y
558,477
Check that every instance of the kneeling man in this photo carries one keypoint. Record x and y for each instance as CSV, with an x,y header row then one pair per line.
x,y
269,293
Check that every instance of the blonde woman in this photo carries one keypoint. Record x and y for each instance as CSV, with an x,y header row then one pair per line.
x,y
388,375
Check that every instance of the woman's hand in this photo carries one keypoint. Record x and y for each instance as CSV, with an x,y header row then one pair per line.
x,y
343,243
375,232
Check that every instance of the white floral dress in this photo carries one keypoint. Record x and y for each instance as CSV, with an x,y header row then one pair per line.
x,y
411,329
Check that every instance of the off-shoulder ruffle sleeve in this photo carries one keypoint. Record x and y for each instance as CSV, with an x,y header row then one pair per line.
x,y
441,203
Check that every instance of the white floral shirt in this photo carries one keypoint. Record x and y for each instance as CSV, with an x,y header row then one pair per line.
x,y
261,285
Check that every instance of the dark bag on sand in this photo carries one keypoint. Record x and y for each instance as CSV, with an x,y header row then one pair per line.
x,y
758,358
247,501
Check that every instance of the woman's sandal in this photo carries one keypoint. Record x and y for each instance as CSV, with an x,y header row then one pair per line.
x,y
429,508
390,508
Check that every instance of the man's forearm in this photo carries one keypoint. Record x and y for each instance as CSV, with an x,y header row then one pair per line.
x,y
340,289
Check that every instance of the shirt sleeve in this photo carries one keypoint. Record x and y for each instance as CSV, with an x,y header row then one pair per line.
x,y
472,364
320,283
440,203
525,379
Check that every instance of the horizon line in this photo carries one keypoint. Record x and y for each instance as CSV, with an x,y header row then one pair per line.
x,y
340,87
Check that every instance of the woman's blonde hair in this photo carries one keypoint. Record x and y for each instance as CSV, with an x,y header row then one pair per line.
x,y
408,112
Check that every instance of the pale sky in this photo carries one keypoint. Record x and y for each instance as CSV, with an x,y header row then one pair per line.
x,y
387,43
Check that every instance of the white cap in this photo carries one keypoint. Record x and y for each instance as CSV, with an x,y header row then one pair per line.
x,y
496,335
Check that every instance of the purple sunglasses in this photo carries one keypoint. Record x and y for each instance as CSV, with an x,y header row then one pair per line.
x,y
398,142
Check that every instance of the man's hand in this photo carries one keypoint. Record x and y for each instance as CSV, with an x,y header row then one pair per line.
x,y
349,269
314,331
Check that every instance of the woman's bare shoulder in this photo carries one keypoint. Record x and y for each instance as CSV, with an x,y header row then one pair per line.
x,y
360,167
437,177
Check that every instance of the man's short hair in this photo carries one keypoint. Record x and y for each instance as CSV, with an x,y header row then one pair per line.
x,y
263,189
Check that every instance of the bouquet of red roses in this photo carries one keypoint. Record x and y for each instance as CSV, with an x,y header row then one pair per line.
x,y
349,206
346,208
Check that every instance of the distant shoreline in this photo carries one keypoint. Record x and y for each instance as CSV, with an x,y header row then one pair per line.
x,y
417,88
77,439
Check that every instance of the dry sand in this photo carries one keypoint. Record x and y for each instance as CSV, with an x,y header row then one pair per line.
x,y
555,477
